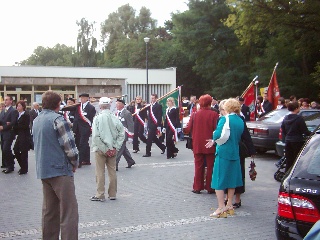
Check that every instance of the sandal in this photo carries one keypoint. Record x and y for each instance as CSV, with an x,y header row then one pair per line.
x,y
230,210
219,213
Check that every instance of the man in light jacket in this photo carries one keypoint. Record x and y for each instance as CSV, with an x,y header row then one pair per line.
x,y
107,139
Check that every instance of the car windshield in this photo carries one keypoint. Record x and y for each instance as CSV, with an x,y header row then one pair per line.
x,y
275,116
308,165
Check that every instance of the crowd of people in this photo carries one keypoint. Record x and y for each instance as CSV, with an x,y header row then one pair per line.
x,y
221,142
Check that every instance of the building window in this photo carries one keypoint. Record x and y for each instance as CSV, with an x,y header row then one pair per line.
x,y
19,88
41,88
63,88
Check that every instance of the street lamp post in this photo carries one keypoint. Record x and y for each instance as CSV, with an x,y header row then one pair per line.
x,y
146,40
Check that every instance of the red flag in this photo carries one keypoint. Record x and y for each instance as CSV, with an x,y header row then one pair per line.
x,y
249,99
273,90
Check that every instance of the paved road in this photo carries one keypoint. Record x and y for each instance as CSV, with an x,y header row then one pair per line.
x,y
154,201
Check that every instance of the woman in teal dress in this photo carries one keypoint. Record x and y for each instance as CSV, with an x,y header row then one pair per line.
x,y
227,169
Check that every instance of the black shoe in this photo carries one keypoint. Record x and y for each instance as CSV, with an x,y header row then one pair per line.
x,y
163,150
117,169
136,151
196,191
3,166
130,165
237,205
7,171
23,172
147,155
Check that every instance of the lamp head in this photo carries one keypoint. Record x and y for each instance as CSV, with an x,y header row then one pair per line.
x,y
146,39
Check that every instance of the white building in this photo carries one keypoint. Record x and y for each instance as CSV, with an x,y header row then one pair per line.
x,y
29,82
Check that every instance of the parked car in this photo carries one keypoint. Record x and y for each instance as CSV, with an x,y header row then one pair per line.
x,y
299,193
265,131
312,122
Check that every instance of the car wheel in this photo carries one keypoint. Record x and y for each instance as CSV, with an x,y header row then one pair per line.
x,y
278,176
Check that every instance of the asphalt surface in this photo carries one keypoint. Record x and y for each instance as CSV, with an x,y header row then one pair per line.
x,y
154,201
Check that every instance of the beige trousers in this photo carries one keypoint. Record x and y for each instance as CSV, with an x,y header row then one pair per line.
x,y
59,209
103,160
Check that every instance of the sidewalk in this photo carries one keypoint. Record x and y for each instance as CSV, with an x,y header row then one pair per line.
x,y
154,201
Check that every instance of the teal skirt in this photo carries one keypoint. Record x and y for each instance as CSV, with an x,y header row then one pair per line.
x,y
226,174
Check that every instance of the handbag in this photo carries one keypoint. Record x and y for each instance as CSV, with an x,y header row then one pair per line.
x,y
225,133
252,171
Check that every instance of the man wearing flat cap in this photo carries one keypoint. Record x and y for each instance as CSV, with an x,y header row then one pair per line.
x,y
83,117
126,119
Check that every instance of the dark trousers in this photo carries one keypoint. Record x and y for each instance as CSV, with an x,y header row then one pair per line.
x,y
199,159
22,157
82,143
7,156
152,137
292,151
125,152
138,132
171,148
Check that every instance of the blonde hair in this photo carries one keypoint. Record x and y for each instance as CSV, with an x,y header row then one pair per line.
x,y
171,99
221,104
232,105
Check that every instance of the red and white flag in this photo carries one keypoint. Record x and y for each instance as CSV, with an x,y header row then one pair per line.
x,y
273,89
249,99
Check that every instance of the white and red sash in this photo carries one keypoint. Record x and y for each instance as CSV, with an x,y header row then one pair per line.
x,y
153,117
170,124
138,117
83,117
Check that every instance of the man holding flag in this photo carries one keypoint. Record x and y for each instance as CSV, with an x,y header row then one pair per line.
x,y
154,125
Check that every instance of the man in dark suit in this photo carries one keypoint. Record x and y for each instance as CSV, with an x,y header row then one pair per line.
x,y
83,117
8,118
215,105
34,113
125,118
154,125
245,111
266,105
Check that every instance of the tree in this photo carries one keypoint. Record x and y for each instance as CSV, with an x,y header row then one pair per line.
x,y
281,31
211,46
59,55
86,44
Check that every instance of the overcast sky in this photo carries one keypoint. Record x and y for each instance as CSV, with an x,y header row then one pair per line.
x,y
27,24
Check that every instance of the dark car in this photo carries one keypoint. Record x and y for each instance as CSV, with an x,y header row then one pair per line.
x,y
265,131
312,122
299,193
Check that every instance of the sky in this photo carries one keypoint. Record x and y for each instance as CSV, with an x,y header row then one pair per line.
x,y
27,24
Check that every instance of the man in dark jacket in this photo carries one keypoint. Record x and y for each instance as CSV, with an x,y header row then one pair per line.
x,y
154,125
245,111
8,119
293,130
83,117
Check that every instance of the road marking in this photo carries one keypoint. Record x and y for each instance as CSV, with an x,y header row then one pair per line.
x,y
106,232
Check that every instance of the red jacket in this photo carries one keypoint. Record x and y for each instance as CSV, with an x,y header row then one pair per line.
x,y
203,123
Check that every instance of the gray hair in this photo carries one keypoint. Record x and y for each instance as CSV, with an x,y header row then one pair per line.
x,y
104,106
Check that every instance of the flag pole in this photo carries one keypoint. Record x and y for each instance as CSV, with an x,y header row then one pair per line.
x,y
159,99
274,69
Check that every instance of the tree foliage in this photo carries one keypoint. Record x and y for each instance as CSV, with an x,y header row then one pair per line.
x,y
59,55
86,44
